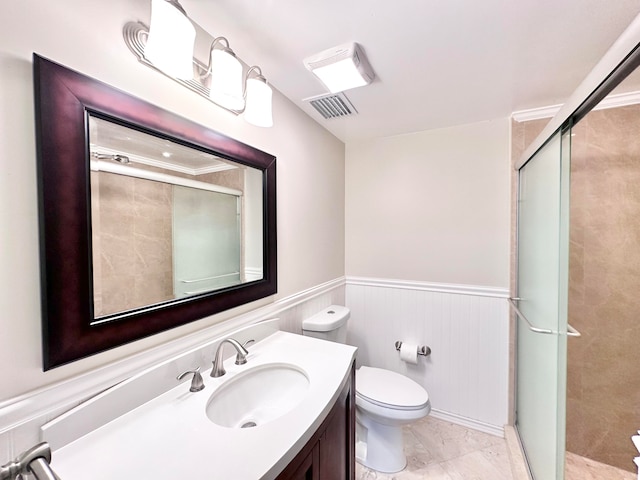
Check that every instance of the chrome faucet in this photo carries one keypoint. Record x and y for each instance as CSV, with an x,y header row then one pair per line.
x,y
241,356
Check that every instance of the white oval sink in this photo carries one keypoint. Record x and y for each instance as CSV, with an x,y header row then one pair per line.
x,y
257,396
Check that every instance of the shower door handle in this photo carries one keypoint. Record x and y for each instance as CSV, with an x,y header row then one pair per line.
x,y
546,331
571,332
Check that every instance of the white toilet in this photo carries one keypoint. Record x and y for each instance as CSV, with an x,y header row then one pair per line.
x,y
385,400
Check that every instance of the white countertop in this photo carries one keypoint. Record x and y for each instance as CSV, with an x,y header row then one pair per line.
x,y
171,436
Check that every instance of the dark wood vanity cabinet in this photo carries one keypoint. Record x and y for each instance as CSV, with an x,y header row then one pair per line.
x,y
330,453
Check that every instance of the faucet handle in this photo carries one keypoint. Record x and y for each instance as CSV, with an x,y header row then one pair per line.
x,y
197,383
241,354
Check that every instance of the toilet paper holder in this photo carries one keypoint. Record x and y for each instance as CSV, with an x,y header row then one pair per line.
x,y
422,349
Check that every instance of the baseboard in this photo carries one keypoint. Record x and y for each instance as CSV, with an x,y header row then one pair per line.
x,y
498,431
519,468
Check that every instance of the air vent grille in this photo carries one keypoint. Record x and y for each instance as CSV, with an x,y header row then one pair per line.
x,y
332,105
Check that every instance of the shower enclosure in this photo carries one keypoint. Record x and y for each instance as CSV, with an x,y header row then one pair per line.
x,y
578,263
541,306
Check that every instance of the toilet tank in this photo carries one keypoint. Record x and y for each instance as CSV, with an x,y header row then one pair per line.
x,y
328,324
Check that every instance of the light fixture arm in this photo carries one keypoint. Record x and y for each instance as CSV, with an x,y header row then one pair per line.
x,y
176,4
220,40
226,48
259,76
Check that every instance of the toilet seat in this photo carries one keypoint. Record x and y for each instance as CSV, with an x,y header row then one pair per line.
x,y
388,389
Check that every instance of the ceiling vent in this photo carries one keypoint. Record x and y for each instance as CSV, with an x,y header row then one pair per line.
x,y
332,105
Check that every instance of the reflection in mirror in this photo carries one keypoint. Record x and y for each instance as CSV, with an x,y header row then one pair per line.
x,y
168,221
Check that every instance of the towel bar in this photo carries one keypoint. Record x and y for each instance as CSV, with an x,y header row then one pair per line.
x,y
571,332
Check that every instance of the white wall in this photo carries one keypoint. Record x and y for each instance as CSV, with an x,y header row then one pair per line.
x,y
427,261
86,35
430,206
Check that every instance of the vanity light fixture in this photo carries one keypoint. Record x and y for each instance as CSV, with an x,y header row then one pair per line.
x,y
259,98
341,68
171,39
167,46
226,76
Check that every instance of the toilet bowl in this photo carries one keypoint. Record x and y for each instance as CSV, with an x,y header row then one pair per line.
x,y
385,400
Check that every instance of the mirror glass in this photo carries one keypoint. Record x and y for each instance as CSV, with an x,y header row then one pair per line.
x,y
168,221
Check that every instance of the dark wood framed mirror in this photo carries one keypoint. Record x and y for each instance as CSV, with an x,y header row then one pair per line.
x,y
75,322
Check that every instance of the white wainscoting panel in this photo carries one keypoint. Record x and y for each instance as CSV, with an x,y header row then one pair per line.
x,y
467,328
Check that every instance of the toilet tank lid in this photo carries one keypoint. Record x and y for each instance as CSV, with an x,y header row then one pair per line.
x,y
330,318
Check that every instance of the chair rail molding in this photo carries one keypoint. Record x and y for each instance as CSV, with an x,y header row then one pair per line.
x,y
482,291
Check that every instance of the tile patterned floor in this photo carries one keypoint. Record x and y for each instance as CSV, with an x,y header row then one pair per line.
x,y
439,450
581,468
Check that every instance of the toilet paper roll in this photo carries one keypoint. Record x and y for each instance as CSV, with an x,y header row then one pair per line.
x,y
409,353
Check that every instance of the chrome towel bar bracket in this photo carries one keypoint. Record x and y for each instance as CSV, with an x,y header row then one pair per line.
x,y
571,332
34,461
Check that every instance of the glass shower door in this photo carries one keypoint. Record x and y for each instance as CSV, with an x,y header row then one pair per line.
x,y
541,307
206,241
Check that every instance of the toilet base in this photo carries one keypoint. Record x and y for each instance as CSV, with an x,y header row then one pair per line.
x,y
379,447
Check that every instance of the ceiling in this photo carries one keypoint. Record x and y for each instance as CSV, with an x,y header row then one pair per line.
x,y
438,63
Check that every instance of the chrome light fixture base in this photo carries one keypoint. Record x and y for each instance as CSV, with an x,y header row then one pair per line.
x,y
135,36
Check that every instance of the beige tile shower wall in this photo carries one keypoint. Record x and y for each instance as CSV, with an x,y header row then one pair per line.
x,y
228,178
132,245
603,379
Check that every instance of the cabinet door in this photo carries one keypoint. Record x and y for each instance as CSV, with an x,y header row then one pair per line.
x,y
308,469
338,439
330,453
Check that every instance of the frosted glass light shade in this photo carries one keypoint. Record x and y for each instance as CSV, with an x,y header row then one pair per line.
x,y
258,110
171,40
226,80
340,76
